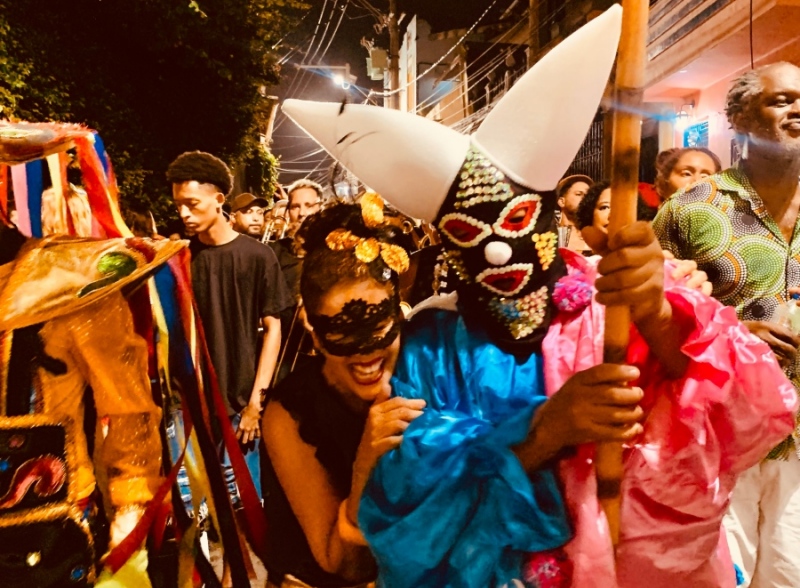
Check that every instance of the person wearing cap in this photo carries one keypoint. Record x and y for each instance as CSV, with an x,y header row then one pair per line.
x,y
569,192
247,214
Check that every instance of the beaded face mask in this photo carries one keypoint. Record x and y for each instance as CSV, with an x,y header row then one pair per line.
x,y
360,328
501,241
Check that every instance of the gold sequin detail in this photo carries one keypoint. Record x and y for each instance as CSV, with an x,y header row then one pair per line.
x,y
372,209
368,250
521,316
545,247
454,261
395,257
341,240
100,348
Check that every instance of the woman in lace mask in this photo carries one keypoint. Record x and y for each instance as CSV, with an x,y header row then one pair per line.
x,y
326,426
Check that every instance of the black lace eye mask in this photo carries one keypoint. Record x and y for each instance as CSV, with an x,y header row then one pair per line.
x,y
359,328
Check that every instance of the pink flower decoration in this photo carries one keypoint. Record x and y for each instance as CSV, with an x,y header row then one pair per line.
x,y
548,569
572,293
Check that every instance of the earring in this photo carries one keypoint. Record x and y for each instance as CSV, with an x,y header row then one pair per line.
x,y
440,274
745,147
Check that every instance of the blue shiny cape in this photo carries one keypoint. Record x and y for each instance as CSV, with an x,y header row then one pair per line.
x,y
452,506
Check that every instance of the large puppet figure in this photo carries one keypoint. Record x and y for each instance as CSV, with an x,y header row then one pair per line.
x,y
66,329
512,372
64,324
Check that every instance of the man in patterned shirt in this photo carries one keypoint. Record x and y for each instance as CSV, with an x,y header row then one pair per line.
x,y
741,226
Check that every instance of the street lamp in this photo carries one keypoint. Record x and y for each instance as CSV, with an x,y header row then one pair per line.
x,y
684,117
340,74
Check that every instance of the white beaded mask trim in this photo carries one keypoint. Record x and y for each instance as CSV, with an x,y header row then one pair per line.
x,y
487,276
463,230
530,205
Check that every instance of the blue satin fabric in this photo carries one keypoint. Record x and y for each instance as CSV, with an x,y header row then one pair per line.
x,y
452,506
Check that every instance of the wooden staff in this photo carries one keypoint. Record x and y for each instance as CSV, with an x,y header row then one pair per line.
x,y
627,134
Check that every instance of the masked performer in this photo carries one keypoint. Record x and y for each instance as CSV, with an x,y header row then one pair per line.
x,y
65,325
471,497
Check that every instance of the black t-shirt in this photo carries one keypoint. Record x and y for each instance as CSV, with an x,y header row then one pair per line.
x,y
236,285
291,265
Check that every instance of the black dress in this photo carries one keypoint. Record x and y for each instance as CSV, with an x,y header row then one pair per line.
x,y
327,424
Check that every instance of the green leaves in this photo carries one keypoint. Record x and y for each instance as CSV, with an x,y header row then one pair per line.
x,y
154,77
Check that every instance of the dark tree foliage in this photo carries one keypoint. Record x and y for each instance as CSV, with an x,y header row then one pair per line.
x,y
154,77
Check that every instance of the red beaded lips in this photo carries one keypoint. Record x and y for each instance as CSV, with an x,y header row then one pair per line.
x,y
506,281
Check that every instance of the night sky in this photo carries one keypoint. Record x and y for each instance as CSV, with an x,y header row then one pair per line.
x,y
290,143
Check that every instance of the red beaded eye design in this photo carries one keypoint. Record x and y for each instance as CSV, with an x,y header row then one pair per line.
x,y
464,230
519,216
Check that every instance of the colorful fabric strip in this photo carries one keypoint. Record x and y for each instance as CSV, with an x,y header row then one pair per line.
x,y
19,180
100,149
4,192
59,185
33,173
194,398
104,209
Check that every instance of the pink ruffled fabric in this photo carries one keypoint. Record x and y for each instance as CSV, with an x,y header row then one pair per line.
x,y
722,417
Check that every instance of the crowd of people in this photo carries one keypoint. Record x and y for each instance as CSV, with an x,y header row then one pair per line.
x,y
453,444
447,505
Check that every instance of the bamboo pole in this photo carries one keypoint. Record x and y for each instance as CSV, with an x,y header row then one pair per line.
x,y
627,134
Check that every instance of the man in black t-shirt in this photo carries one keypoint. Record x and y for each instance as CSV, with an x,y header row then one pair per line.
x,y
238,286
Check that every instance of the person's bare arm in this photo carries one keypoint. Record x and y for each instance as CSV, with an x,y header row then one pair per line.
x,y
312,498
249,423
269,354
781,340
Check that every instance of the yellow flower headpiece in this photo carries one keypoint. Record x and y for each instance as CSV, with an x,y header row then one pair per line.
x,y
368,249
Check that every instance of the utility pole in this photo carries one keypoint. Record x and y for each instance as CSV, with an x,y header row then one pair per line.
x,y
533,32
394,57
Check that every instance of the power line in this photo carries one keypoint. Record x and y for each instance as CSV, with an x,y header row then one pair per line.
x,y
333,35
442,58
325,32
319,22
472,79
483,71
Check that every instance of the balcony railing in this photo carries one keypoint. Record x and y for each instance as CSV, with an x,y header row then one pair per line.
x,y
672,20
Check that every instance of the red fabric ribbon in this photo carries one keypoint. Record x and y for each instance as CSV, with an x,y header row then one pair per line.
x,y
4,193
96,187
255,521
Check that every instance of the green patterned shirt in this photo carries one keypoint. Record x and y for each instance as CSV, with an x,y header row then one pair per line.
x,y
723,225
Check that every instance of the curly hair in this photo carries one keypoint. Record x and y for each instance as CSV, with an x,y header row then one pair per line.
x,y
202,167
324,268
585,215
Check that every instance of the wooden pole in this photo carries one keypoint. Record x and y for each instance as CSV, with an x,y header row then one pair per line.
x,y
627,129
394,56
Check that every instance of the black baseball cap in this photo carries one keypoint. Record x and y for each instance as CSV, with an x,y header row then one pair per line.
x,y
246,200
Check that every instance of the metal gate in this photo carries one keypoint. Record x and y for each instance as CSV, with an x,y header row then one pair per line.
x,y
589,160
